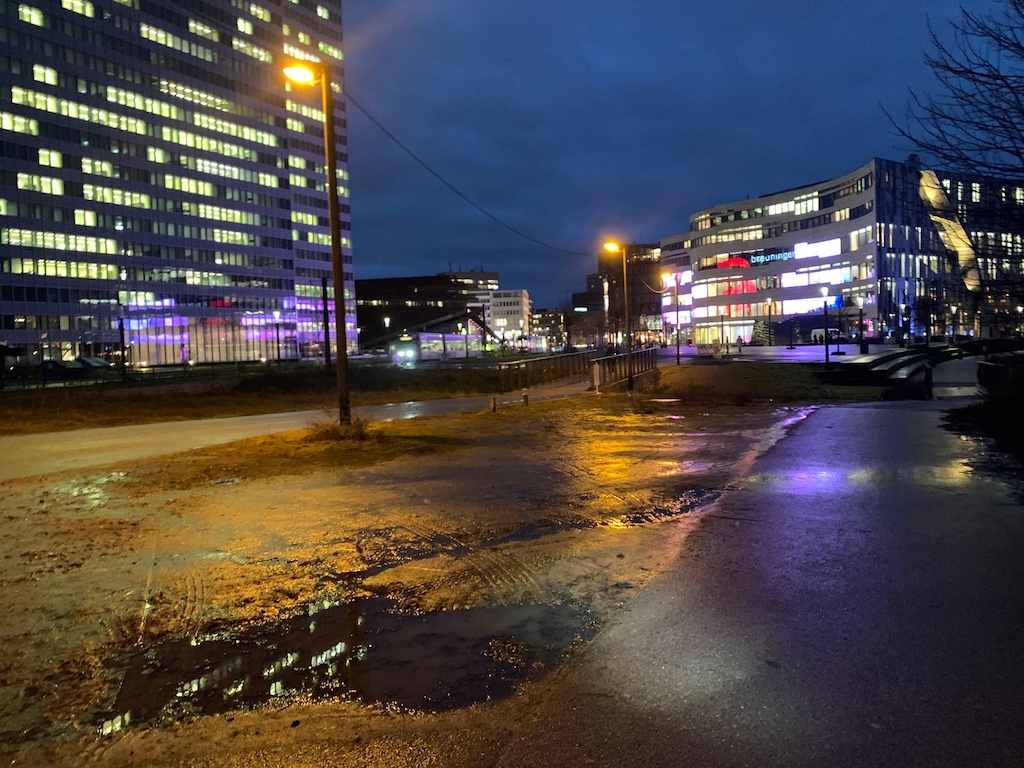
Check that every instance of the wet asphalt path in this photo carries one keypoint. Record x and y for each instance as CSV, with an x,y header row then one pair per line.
x,y
857,600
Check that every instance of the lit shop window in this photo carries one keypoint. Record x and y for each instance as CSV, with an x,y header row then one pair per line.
x,y
50,158
97,167
43,74
34,183
115,196
18,124
202,30
30,15
82,7
259,12
244,46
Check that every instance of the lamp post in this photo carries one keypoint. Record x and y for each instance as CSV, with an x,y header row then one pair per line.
x,y
860,325
903,329
953,308
824,315
308,73
613,247
768,301
675,306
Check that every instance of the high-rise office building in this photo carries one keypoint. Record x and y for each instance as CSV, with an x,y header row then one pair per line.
x,y
163,189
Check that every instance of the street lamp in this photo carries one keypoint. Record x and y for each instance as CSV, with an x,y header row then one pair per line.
x,y
309,73
613,247
860,325
768,301
824,315
903,330
953,308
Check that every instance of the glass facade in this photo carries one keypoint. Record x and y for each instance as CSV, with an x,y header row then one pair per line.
x,y
163,188
910,251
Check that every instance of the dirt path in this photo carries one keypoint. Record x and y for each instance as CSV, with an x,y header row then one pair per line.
x,y
374,601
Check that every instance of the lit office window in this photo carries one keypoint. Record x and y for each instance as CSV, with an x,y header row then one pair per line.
x,y
305,38
244,46
30,15
85,218
975,192
18,124
330,50
202,30
245,26
50,158
82,7
97,167
43,74
259,12
322,12
35,183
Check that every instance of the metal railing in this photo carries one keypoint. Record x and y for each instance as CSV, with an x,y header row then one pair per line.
x,y
520,374
615,368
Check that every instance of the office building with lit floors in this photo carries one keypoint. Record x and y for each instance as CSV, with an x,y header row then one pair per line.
x,y
163,190
905,251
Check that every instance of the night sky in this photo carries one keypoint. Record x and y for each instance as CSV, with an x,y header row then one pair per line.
x,y
573,121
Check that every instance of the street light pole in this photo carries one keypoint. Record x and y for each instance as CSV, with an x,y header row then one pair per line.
x,y
824,311
768,301
308,73
675,310
277,333
860,325
613,247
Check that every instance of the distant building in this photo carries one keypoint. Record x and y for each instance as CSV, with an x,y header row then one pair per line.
x,y
159,179
386,307
508,315
914,252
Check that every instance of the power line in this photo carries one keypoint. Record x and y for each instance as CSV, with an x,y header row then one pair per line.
x,y
439,177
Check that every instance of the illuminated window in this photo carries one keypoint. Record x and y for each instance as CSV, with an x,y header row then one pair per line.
x,y
18,124
259,12
30,15
305,38
85,218
975,192
202,30
260,54
43,74
51,158
331,51
45,184
82,7
244,25
115,196
159,36
195,96
157,155
97,167
322,12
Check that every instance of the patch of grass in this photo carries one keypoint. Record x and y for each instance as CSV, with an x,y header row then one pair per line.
x,y
741,383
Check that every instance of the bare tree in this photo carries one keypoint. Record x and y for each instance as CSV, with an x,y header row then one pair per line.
x,y
975,122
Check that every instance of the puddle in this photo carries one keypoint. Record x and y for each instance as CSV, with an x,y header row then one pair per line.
x,y
363,650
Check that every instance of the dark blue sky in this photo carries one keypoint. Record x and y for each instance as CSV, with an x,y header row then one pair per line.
x,y
572,121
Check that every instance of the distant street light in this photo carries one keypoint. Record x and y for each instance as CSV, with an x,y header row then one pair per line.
x,y
613,247
824,310
953,308
675,306
904,325
768,301
309,73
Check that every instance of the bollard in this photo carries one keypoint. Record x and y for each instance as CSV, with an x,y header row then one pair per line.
x,y
526,398
494,404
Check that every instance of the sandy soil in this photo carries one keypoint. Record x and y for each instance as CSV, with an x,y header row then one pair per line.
x,y
141,610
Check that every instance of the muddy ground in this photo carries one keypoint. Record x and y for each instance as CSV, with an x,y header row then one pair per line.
x,y
346,614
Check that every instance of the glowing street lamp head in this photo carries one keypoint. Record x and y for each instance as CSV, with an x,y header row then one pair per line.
x,y
612,247
300,73
824,291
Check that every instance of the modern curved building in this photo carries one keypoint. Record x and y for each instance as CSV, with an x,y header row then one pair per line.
x,y
902,249
162,192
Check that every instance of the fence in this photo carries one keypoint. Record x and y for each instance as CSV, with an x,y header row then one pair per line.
x,y
521,374
615,368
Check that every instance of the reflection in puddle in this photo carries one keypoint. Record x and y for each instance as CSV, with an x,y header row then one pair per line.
x,y
361,650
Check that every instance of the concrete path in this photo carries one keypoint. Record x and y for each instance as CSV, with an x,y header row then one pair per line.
x,y
27,455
